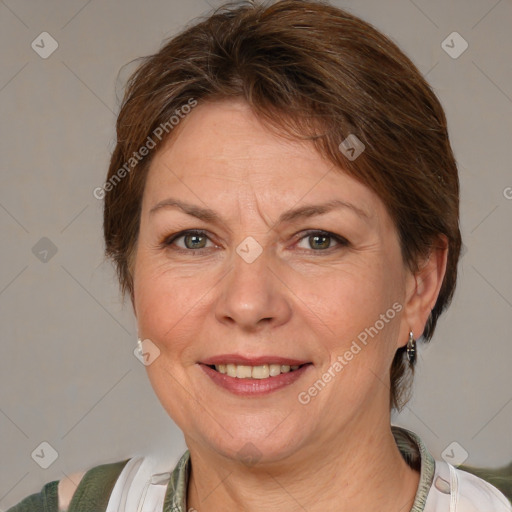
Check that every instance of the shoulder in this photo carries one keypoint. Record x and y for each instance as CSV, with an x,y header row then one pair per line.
x,y
67,488
96,488
465,492
91,489
481,493
82,490
500,477
43,501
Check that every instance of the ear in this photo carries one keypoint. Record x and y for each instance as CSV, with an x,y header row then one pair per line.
x,y
422,290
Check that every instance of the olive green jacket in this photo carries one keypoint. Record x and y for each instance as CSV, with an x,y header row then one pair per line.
x,y
91,495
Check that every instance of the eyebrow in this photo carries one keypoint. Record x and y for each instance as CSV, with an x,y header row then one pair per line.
x,y
306,211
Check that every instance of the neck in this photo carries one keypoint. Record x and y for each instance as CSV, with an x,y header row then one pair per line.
x,y
362,472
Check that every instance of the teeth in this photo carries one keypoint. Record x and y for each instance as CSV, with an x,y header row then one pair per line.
x,y
275,370
264,371
243,372
260,372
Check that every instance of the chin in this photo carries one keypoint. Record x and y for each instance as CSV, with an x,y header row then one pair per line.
x,y
251,445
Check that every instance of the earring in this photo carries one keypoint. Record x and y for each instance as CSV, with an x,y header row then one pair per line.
x,y
139,349
411,349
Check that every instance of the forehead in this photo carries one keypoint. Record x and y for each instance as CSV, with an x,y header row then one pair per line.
x,y
222,149
227,135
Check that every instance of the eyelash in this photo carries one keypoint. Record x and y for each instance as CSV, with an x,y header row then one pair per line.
x,y
169,241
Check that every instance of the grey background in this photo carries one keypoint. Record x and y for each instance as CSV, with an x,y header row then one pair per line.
x,y
68,375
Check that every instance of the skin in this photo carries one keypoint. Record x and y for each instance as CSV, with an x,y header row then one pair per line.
x,y
295,300
66,488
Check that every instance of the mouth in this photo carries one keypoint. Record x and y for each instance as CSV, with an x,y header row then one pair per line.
x,y
255,376
264,371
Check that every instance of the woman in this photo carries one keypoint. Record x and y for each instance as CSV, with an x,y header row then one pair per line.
x,y
282,208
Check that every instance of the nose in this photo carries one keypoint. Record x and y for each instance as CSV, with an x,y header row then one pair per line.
x,y
253,295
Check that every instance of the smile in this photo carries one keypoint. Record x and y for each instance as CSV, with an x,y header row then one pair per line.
x,y
264,371
255,376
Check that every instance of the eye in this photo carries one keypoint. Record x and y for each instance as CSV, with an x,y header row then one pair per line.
x,y
193,240
320,241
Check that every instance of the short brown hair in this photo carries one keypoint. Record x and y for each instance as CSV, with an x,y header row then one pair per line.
x,y
311,71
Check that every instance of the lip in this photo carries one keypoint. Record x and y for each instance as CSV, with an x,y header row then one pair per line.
x,y
254,387
252,361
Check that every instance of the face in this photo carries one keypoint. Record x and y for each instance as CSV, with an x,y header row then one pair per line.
x,y
275,260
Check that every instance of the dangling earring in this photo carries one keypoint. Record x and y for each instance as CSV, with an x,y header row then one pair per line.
x,y
411,349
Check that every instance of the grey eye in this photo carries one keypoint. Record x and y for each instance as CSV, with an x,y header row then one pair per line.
x,y
194,241
191,240
321,240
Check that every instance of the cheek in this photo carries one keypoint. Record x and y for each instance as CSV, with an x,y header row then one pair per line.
x,y
361,308
166,307
169,303
352,299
